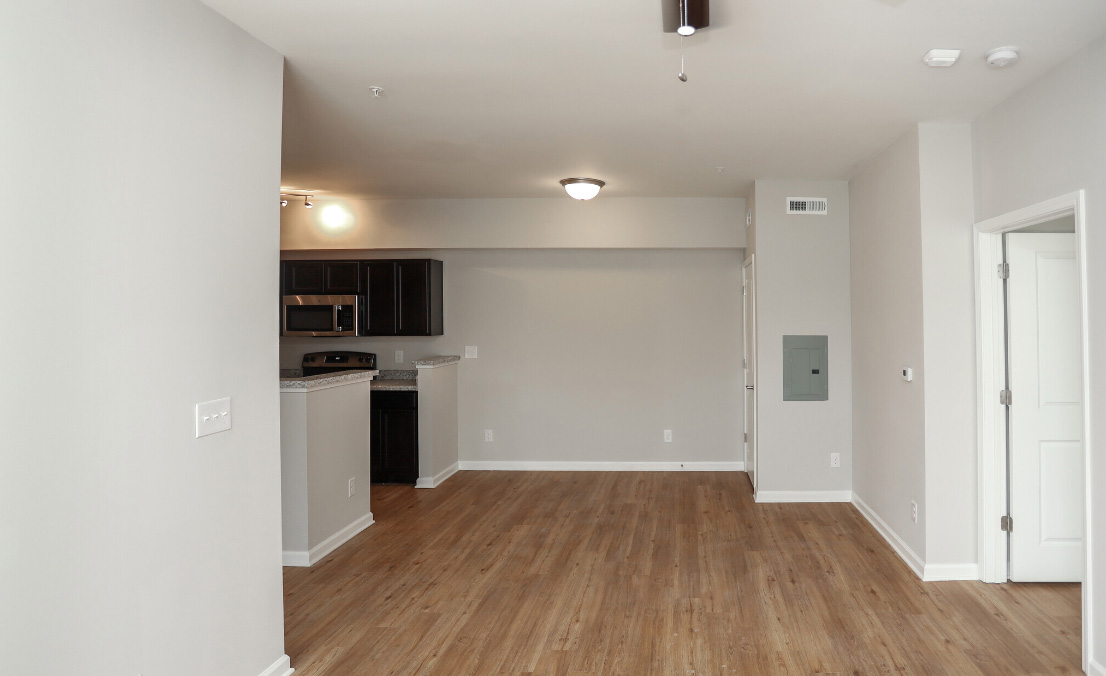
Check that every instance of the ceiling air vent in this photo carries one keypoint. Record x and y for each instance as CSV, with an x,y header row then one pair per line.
x,y
817,206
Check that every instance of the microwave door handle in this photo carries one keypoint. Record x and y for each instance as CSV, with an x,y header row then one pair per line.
x,y
334,323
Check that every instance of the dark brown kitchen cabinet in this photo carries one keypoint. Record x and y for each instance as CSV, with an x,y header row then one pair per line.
x,y
404,297
321,277
394,442
397,297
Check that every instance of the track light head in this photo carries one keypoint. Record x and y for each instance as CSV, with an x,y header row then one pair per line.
x,y
283,201
307,202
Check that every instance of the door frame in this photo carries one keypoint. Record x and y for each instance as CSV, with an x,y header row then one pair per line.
x,y
749,310
991,378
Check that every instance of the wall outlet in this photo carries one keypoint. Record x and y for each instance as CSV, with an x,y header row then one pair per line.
x,y
470,352
352,487
835,459
914,511
399,356
212,416
488,436
668,436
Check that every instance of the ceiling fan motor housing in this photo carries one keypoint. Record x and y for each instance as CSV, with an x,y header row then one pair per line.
x,y
696,11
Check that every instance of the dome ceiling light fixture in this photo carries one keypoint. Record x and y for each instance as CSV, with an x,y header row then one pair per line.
x,y
582,188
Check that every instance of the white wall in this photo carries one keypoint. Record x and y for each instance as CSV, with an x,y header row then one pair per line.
x,y
948,305
888,412
584,355
534,223
129,546
803,288
1047,140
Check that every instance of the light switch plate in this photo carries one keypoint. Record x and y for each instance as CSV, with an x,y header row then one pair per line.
x,y
212,417
470,352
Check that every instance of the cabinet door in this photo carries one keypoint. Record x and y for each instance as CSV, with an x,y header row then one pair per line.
x,y
394,446
380,293
303,278
341,278
413,284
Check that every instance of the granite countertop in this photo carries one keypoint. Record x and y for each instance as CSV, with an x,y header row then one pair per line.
x,y
395,385
434,362
309,383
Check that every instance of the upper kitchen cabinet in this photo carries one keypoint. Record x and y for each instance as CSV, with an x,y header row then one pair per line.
x,y
321,277
404,297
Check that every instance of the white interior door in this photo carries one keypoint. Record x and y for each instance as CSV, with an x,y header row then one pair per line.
x,y
749,281
1046,446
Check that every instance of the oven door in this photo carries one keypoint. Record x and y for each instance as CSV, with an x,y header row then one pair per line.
x,y
320,316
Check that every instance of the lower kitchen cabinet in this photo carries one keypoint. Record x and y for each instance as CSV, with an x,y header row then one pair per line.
x,y
394,445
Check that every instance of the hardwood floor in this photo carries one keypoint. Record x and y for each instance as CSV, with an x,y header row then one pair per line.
x,y
649,573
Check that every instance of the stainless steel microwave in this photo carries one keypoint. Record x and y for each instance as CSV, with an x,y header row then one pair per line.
x,y
321,316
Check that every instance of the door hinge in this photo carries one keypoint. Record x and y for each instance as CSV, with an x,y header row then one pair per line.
x,y
1006,523
1004,271
744,363
1005,397
746,437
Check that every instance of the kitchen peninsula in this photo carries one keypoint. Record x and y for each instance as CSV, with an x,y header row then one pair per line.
x,y
324,459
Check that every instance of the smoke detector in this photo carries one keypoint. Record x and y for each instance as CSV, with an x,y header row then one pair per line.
x,y
1002,57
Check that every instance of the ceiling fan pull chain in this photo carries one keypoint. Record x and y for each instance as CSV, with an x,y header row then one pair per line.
x,y
682,75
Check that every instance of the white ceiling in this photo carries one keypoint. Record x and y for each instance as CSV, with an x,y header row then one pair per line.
x,y
504,98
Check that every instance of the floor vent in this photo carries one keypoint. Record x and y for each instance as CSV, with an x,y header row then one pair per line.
x,y
817,206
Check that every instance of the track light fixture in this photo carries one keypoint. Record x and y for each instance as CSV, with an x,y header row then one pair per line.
x,y
306,199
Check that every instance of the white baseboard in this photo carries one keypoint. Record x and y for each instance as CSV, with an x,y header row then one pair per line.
x,y
318,552
942,572
901,548
804,496
282,667
1094,668
558,466
434,481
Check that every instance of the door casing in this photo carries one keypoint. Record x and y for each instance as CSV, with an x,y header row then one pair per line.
x,y
991,379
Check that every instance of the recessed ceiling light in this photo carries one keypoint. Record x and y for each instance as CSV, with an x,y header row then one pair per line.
x,y
941,58
1002,57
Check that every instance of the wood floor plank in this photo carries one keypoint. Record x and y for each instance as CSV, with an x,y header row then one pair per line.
x,y
567,574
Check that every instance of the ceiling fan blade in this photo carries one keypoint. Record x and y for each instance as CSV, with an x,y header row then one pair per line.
x,y
698,14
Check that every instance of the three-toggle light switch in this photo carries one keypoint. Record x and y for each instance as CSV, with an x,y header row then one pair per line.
x,y
212,417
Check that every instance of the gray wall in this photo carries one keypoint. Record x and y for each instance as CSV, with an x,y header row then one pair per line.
x,y
584,355
948,306
1046,141
130,546
889,413
803,288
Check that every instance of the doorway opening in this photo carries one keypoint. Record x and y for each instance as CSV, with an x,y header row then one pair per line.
x,y
749,316
1022,447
